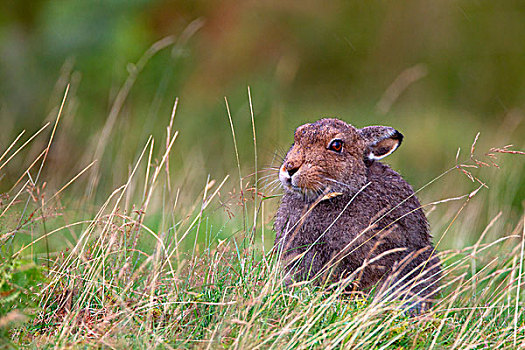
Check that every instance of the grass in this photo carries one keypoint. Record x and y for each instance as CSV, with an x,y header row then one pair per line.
x,y
158,265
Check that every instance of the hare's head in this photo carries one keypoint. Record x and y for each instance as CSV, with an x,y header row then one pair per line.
x,y
333,155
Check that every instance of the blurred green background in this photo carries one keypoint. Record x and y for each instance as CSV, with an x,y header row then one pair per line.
x,y
438,71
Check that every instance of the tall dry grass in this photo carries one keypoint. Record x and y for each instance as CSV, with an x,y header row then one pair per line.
x,y
152,265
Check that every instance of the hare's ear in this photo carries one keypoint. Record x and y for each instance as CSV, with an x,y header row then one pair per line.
x,y
380,141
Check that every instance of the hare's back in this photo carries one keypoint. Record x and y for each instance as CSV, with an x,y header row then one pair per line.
x,y
394,200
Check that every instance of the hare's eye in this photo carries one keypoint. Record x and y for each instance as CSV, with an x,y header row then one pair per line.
x,y
336,145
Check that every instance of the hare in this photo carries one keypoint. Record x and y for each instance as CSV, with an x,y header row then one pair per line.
x,y
346,216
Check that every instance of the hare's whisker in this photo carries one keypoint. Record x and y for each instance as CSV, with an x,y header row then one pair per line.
x,y
270,168
277,186
266,176
270,180
270,184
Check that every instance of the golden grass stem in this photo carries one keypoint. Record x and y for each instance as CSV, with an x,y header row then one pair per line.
x,y
519,278
238,162
25,144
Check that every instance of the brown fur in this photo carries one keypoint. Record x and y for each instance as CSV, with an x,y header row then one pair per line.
x,y
370,211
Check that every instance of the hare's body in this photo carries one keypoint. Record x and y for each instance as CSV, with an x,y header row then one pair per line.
x,y
347,215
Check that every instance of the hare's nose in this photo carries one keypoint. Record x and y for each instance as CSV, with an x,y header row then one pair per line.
x,y
291,168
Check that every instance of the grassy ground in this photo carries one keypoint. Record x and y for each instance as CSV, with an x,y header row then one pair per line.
x,y
157,263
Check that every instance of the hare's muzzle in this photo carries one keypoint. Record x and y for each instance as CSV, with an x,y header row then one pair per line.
x,y
287,172
285,177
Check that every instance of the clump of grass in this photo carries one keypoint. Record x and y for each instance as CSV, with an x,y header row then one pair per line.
x,y
146,269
